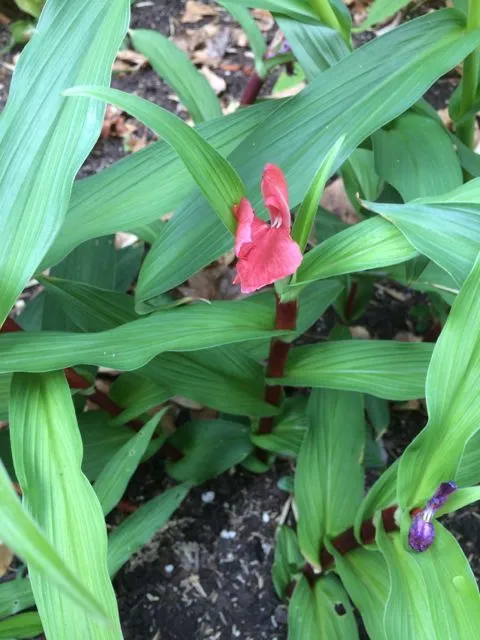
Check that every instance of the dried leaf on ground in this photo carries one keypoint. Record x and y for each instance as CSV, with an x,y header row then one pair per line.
x,y
128,61
217,83
213,283
6,557
196,11
359,332
335,199
264,19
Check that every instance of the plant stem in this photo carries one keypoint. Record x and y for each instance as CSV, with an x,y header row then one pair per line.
x,y
251,91
326,14
76,381
285,319
465,129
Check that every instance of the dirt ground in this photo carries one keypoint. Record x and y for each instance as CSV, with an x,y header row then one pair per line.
x,y
207,575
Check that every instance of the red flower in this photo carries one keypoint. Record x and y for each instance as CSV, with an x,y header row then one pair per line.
x,y
266,252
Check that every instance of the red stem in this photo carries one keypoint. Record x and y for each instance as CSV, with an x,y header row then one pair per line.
x,y
285,319
76,381
251,91
350,301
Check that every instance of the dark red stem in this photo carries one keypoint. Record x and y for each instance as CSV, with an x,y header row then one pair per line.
x,y
76,381
251,91
285,319
350,301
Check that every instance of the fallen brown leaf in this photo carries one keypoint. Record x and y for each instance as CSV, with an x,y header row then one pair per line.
x,y
217,83
264,19
335,199
196,11
359,332
128,61
6,557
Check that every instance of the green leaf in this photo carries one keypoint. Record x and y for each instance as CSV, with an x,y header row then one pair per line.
x,y
468,471
378,413
391,370
32,7
132,345
452,400
252,31
110,485
431,593
288,560
138,528
460,499
397,69
215,176
379,11
210,447
321,611
25,625
329,476
49,473
305,217
416,155
101,440
360,177
4,395
15,595
444,228
144,186
368,245
45,138
175,68
224,378
297,9
288,431
364,574
316,47
23,535
137,395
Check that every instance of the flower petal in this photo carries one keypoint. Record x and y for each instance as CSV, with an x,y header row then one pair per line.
x,y
275,195
245,216
271,256
421,534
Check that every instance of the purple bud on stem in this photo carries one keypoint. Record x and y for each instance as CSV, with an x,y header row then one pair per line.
x,y
441,494
422,531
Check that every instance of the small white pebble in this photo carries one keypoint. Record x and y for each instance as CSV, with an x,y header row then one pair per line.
x,y
208,497
235,632
169,568
228,535
265,517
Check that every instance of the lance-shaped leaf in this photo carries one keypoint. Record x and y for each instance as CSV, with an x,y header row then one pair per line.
x,y
215,176
431,593
321,611
288,560
379,11
174,66
110,485
15,596
397,68
391,370
23,535
44,138
365,576
25,625
135,343
452,401
297,9
329,475
142,187
445,228
368,245
61,499
137,529
255,37
416,155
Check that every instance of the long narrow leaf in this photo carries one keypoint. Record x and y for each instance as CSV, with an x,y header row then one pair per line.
x,y
62,500
44,138
211,171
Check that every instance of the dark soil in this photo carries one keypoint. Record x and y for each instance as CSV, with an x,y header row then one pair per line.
x,y
207,574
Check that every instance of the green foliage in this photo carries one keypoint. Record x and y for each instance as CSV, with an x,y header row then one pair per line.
x,y
272,378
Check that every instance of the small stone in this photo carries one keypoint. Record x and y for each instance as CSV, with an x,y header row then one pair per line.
x,y
208,497
228,535
169,568
281,614
265,517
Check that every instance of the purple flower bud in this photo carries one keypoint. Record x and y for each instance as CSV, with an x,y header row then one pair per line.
x,y
422,531
441,494
285,47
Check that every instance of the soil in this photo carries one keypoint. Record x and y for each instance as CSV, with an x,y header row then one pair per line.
x,y
207,574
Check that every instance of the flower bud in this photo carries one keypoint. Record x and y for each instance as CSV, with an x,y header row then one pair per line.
x,y
422,531
441,494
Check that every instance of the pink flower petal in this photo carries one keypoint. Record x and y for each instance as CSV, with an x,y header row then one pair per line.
x,y
271,256
245,216
275,195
